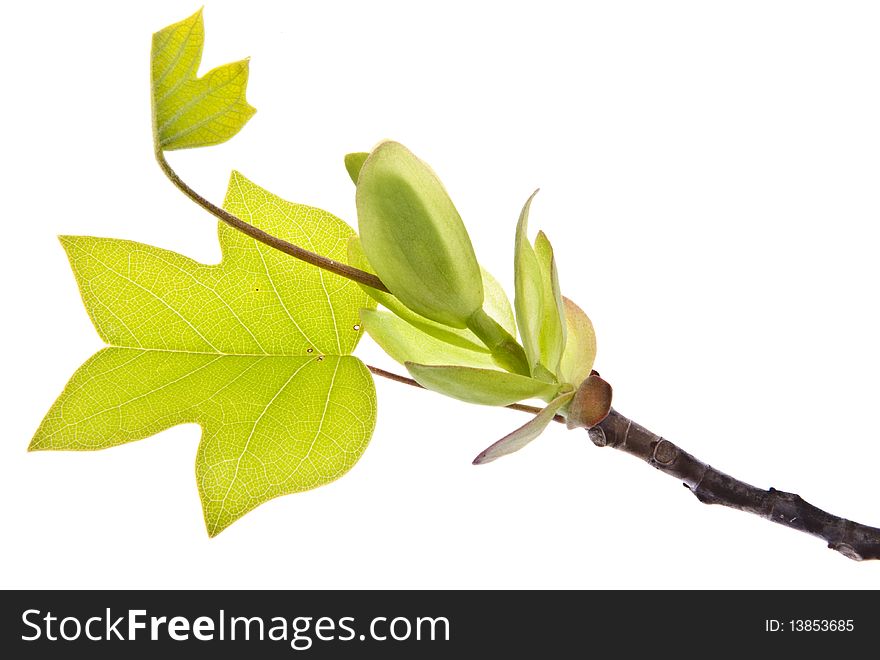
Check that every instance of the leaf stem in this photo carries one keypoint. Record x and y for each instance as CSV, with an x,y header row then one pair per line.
x,y
331,265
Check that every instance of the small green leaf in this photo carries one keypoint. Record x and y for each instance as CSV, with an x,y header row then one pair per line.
x,y
406,343
254,349
496,303
552,334
528,298
524,434
580,346
353,164
414,238
483,386
189,111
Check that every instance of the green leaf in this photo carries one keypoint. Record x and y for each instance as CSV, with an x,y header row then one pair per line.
x,y
518,439
353,164
529,287
406,343
414,238
483,386
580,346
495,305
255,349
189,111
551,338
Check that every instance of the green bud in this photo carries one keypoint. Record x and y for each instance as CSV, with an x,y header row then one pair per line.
x,y
496,305
414,238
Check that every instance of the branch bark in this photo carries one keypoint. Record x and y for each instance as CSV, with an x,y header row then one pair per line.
x,y
710,486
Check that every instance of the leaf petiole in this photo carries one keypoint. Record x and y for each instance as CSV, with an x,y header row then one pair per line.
x,y
331,265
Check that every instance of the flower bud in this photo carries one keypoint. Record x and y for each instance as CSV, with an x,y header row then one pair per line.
x,y
414,238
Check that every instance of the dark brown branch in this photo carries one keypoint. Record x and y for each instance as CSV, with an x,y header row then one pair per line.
x,y
376,371
710,486
360,276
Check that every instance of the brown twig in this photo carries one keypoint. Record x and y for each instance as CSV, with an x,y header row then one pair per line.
x,y
710,486
331,265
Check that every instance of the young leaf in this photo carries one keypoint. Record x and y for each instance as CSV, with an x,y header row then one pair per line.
x,y
353,164
189,111
496,303
524,434
406,343
580,346
528,298
255,349
551,338
483,386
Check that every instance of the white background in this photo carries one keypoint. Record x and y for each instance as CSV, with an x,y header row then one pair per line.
x,y
710,175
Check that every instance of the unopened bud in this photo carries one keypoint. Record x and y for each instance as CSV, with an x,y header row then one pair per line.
x,y
414,238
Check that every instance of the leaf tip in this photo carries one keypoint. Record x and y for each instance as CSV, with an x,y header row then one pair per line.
x,y
237,178
214,525
483,458
353,164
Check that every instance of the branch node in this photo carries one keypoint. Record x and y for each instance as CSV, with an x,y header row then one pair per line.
x,y
665,452
597,435
846,550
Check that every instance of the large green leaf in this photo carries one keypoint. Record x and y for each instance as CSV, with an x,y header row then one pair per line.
x,y
190,111
255,349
